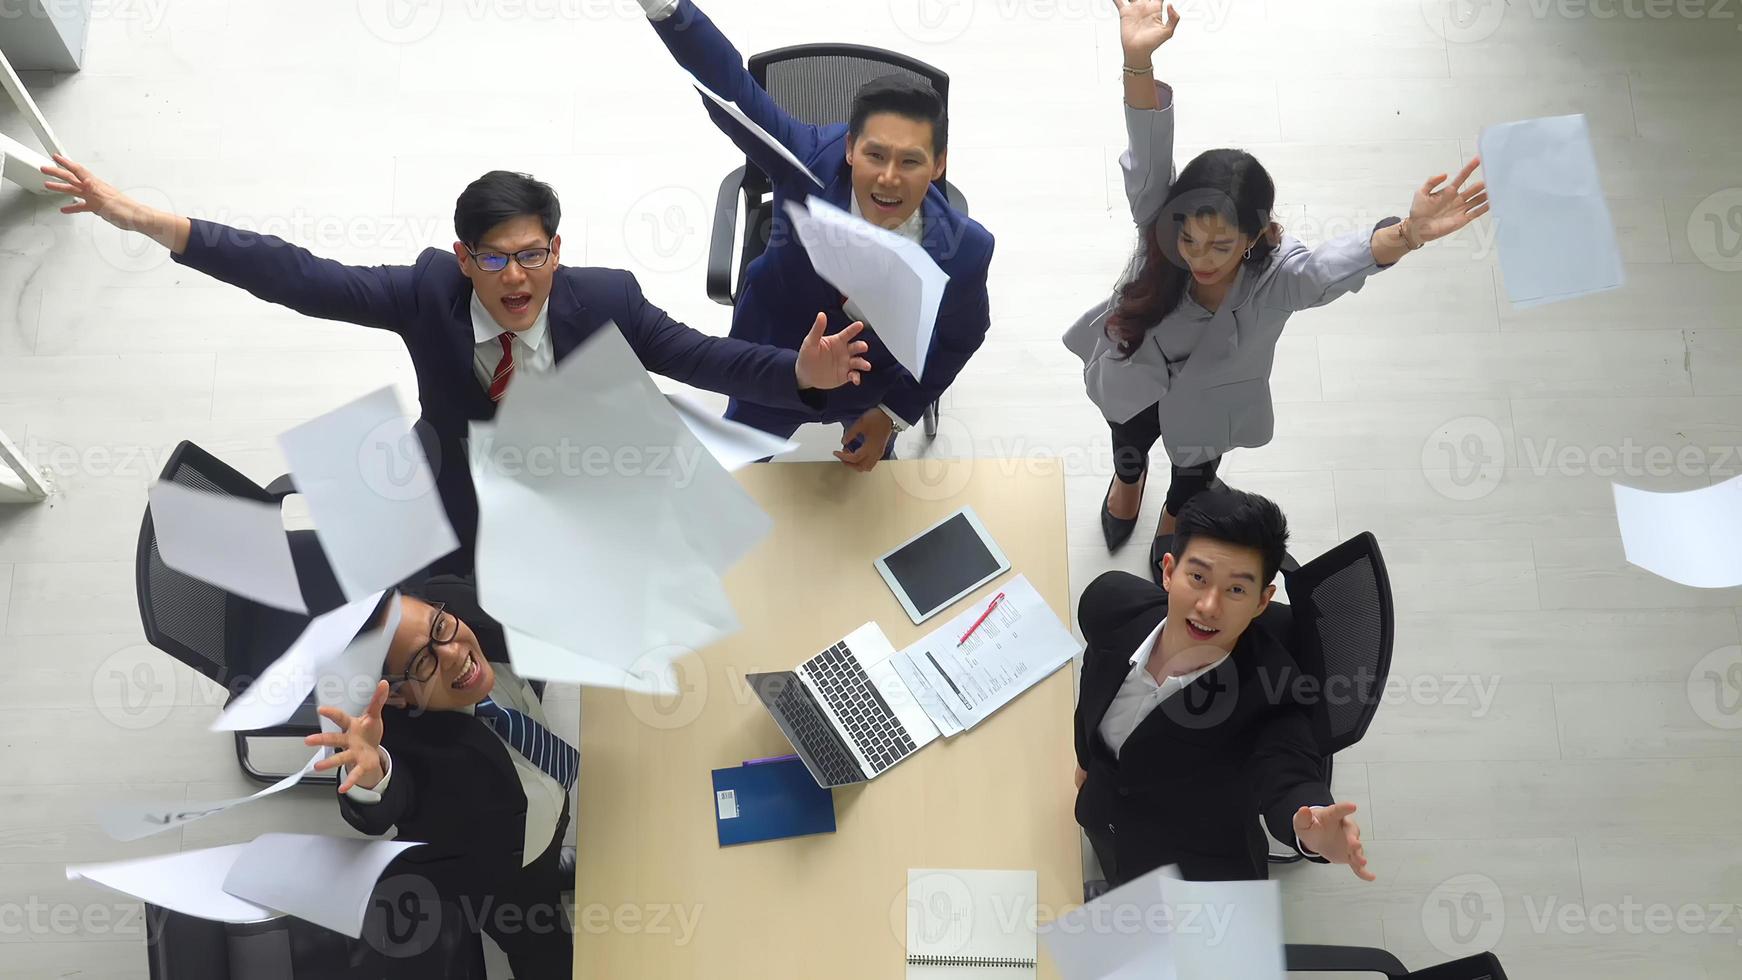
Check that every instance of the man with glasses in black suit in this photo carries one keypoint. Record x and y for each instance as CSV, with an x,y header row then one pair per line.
x,y
454,750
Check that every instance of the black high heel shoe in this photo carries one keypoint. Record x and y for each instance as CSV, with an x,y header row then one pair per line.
x,y
1117,530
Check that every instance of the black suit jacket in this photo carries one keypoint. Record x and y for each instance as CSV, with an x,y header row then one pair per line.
x,y
1237,742
428,305
454,785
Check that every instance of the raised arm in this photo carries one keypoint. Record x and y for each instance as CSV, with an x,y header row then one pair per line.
x,y
268,267
373,794
704,52
1307,277
1144,26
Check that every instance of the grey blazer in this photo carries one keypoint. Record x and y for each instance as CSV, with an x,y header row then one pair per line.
x,y
1220,397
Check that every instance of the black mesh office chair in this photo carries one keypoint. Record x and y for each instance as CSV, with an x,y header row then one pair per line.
x,y
816,84
226,637
1343,633
182,947
1307,958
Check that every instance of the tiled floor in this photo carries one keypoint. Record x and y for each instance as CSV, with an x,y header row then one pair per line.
x,y
1562,741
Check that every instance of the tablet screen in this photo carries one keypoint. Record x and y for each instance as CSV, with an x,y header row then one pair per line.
x,y
939,565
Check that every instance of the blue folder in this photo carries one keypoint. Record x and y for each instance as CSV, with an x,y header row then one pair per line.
x,y
768,800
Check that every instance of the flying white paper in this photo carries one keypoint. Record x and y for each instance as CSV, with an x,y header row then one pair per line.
x,y
734,444
324,880
590,482
1160,927
281,688
236,544
348,682
893,280
738,115
136,820
1693,537
189,882
533,657
1552,222
370,492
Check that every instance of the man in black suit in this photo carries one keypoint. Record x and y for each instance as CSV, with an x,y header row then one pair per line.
x,y
500,303
1190,721
453,751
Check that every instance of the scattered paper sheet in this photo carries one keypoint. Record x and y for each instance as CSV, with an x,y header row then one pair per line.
x,y
532,657
369,488
1552,222
137,820
1159,927
236,544
588,477
741,119
893,280
189,882
1017,647
734,444
324,880
348,682
281,688
1693,537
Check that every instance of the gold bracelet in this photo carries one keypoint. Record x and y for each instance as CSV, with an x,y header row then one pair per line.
x,y
1403,231
1139,71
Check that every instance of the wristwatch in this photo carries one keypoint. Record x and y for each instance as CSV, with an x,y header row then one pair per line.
x,y
894,419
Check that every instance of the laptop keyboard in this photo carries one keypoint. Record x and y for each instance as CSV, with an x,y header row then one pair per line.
x,y
860,707
812,730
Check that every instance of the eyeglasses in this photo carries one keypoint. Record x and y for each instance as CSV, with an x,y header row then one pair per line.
x,y
442,629
493,261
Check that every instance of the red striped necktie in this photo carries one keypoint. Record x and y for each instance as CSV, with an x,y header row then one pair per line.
x,y
504,370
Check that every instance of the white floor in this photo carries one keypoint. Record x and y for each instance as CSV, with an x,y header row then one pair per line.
x,y
1558,771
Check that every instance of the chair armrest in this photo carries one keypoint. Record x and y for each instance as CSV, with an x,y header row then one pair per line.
x,y
178,945
1309,958
720,240
282,487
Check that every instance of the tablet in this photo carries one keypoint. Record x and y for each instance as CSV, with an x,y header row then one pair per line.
x,y
941,564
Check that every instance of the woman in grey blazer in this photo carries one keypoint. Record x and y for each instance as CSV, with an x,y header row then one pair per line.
x,y
1182,350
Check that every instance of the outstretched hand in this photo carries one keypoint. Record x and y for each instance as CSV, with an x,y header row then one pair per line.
x,y
1438,211
1145,25
832,361
357,743
94,196
1331,833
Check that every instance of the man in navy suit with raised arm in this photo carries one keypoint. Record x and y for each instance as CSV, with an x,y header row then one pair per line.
x,y
499,304
879,166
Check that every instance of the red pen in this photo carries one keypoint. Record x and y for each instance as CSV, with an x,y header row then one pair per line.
x,y
993,605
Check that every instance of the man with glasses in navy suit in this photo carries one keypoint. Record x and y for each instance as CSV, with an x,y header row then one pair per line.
x,y
499,304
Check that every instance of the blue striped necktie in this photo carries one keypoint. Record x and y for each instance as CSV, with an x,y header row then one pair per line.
x,y
559,760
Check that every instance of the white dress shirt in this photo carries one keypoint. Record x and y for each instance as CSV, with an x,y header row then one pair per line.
x,y
1140,694
544,795
532,348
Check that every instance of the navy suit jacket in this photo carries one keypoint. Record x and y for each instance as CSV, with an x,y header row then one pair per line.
x,y
782,292
428,305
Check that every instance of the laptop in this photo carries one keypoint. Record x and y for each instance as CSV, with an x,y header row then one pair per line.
x,y
846,711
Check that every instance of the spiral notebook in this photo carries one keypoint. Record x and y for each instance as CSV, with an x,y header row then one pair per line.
x,y
971,925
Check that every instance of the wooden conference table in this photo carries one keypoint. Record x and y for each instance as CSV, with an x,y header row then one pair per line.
x,y
657,897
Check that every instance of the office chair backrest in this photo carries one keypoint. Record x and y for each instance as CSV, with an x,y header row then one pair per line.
x,y
226,637
1343,628
183,616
